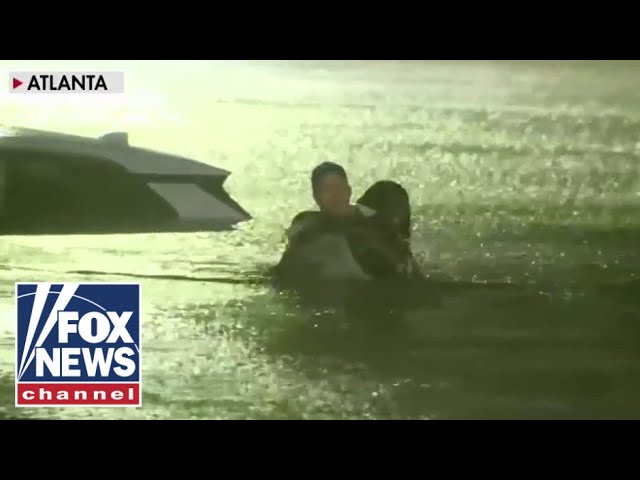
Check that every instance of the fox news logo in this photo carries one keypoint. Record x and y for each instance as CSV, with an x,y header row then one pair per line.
x,y
78,344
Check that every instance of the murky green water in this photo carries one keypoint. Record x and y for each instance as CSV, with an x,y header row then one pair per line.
x,y
524,174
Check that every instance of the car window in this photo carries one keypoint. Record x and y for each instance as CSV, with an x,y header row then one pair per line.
x,y
58,193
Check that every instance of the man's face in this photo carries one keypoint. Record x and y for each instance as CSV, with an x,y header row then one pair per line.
x,y
333,194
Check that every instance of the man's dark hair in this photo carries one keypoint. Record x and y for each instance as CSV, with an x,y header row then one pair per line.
x,y
326,168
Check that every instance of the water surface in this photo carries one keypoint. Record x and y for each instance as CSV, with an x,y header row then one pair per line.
x,y
525,187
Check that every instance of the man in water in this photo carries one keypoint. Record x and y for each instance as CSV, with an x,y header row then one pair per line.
x,y
332,194
375,243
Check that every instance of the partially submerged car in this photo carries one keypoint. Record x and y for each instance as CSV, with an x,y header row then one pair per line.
x,y
52,183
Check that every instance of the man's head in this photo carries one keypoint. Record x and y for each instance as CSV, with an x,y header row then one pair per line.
x,y
331,189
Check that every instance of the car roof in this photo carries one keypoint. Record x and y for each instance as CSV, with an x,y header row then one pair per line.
x,y
112,146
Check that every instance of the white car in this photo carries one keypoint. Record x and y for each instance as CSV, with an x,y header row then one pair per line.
x,y
52,183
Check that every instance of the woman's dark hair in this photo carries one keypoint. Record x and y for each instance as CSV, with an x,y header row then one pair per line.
x,y
391,202
326,168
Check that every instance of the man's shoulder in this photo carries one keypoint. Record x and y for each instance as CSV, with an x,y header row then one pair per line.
x,y
305,216
301,221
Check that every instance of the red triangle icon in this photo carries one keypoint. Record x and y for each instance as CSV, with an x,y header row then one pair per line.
x,y
16,83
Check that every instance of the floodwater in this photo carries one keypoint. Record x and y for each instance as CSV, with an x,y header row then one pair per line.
x,y
525,187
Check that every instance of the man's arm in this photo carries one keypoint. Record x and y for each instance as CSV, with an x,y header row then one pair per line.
x,y
298,229
302,226
297,225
